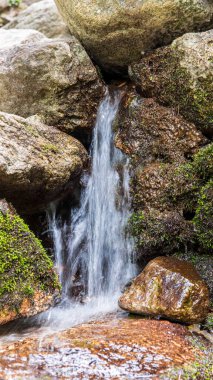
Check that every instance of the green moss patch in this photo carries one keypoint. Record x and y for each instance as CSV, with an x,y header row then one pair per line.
x,y
185,213
203,220
24,264
162,75
157,232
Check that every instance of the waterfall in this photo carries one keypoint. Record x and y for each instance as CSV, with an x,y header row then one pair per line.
x,y
98,259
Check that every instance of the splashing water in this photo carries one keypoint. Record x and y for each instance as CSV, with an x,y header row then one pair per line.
x,y
98,262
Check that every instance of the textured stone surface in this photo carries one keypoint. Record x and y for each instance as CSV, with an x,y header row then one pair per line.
x,y
107,349
167,172
181,75
48,77
28,283
203,264
152,133
170,288
42,16
7,12
172,205
37,162
116,33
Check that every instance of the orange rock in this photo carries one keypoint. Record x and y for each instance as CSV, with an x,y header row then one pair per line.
x,y
170,288
112,348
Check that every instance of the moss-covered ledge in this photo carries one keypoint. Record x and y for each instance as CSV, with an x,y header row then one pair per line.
x,y
28,283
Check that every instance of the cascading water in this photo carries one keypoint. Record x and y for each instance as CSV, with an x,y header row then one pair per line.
x,y
98,259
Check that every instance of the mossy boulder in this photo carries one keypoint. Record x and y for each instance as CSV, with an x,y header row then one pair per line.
x,y
38,163
169,166
52,78
157,231
169,288
28,283
172,206
115,33
181,76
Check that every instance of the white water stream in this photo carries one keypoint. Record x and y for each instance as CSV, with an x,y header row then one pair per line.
x,y
98,262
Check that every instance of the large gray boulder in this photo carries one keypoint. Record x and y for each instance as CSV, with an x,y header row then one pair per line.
x,y
51,78
116,33
42,16
181,75
38,163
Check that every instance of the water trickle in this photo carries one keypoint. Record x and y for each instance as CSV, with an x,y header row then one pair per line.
x,y
98,261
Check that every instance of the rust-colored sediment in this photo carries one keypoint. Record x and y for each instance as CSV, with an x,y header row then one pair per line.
x,y
108,349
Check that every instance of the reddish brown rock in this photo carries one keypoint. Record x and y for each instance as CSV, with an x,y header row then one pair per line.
x,y
164,183
170,288
150,132
112,348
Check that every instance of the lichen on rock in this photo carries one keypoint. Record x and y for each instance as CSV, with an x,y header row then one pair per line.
x,y
203,220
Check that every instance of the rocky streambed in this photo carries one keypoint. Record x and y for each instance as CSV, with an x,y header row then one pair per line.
x,y
114,347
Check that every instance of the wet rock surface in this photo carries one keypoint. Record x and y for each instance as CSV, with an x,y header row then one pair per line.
x,y
112,348
37,162
203,264
171,171
116,33
28,283
51,78
170,288
150,132
181,76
